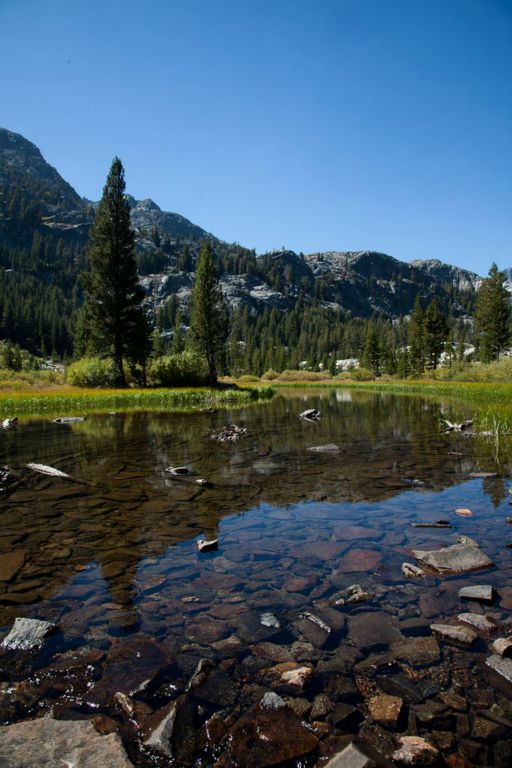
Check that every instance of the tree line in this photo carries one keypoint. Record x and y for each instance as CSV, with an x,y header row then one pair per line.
x,y
45,308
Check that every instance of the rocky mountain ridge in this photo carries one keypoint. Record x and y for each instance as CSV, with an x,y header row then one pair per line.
x,y
34,197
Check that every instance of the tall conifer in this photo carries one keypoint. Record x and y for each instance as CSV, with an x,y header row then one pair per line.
x,y
113,297
208,316
492,317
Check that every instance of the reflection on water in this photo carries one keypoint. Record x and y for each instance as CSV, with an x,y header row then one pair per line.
x,y
114,562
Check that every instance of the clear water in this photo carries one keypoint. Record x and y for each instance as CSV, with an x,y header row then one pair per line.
x,y
114,562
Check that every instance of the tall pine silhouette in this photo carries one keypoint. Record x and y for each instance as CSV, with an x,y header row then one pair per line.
x,y
112,311
208,316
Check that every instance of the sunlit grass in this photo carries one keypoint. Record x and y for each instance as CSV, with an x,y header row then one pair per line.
x,y
65,400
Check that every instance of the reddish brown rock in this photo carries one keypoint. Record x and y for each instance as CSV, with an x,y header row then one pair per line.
x,y
266,737
10,564
386,709
130,664
359,560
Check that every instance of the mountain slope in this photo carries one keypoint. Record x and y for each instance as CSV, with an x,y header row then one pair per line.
x,y
44,229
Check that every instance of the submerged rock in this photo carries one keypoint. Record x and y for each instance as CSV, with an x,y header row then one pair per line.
x,y
27,634
484,593
229,434
11,563
266,736
48,742
353,594
463,556
329,448
269,620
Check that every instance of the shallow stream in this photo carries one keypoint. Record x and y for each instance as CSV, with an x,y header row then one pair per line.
x,y
113,562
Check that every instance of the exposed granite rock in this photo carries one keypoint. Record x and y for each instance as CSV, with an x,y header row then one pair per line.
x,y
503,646
482,624
27,634
46,743
501,665
452,633
483,593
357,754
414,750
463,556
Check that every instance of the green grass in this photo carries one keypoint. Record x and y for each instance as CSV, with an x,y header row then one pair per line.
x,y
69,400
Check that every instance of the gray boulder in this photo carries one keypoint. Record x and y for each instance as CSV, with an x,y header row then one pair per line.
x,y
47,743
27,634
461,557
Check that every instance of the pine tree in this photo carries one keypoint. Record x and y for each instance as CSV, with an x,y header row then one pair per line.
x,y
492,318
112,294
208,316
436,329
417,339
178,345
372,353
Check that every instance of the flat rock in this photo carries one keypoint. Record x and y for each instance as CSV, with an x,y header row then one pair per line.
x,y
418,651
484,593
10,564
359,560
27,634
481,623
461,557
500,665
44,743
370,629
357,755
131,664
452,633
414,750
386,709
329,448
265,737
503,646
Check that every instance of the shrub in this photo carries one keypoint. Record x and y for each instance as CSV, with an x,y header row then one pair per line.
x,y
361,374
304,376
248,378
270,375
185,369
91,372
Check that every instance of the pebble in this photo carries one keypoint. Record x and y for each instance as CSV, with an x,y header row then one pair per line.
x,y
415,750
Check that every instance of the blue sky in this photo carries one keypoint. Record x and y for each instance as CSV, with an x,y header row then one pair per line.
x,y
319,125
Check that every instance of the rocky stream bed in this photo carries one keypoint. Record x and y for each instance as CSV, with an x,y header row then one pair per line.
x,y
301,640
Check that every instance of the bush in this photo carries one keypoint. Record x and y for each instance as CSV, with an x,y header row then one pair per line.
x,y
91,372
270,375
185,369
358,374
304,376
248,378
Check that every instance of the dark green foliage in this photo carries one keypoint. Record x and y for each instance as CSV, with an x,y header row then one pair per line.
x,y
435,332
372,353
112,311
186,369
492,317
417,339
208,315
